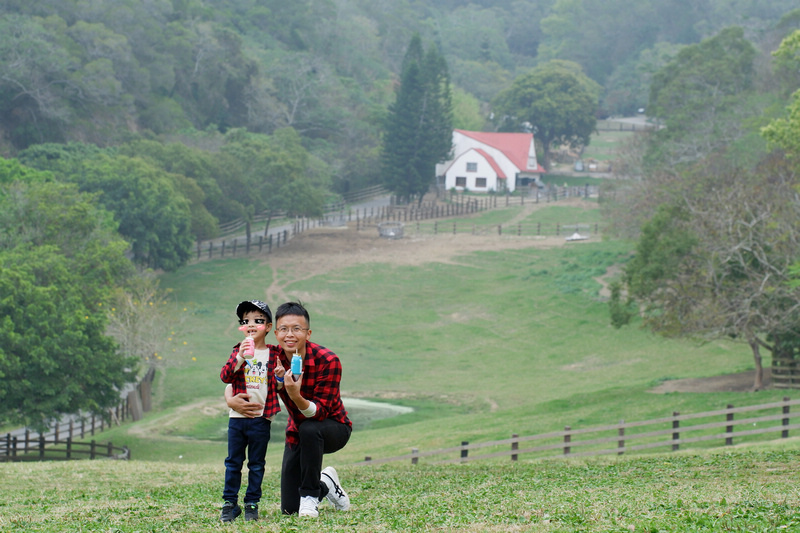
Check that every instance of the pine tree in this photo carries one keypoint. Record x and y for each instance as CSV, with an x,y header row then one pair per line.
x,y
418,130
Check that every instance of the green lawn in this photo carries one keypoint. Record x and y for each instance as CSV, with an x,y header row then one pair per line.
x,y
738,490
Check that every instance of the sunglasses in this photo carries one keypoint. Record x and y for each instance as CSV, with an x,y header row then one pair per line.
x,y
246,321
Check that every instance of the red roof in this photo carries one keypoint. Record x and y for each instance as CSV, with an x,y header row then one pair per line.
x,y
490,159
515,146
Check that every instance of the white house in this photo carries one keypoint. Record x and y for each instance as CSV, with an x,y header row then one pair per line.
x,y
484,161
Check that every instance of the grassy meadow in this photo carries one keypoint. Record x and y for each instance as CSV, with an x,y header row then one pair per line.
x,y
487,344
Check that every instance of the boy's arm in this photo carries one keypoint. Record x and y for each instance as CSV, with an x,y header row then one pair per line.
x,y
231,366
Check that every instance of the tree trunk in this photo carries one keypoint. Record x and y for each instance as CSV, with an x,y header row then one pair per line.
x,y
758,382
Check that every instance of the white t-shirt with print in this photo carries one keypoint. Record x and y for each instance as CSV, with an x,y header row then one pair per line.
x,y
255,374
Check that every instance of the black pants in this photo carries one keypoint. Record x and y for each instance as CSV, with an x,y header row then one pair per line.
x,y
302,463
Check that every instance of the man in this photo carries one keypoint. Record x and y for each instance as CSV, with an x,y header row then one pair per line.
x,y
318,422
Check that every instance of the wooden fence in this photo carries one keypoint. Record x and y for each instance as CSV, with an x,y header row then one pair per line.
x,y
234,226
661,434
785,372
369,218
41,449
65,438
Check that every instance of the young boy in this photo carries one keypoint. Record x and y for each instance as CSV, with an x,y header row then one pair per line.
x,y
251,377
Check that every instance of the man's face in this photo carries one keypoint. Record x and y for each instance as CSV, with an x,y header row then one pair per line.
x,y
257,325
292,332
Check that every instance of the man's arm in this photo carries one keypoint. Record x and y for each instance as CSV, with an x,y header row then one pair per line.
x,y
241,403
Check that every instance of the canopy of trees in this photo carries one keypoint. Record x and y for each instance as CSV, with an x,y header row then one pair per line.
x,y
717,233
142,126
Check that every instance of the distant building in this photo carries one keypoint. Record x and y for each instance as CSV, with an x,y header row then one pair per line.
x,y
484,162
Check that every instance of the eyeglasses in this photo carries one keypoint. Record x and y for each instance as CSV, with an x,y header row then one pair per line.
x,y
283,330
245,321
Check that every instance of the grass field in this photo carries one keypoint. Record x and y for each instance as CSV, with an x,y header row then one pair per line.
x,y
482,345
742,490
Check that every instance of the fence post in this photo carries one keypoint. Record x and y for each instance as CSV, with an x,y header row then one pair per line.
x,y
14,447
210,249
621,441
729,429
27,439
55,431
464,451
110,449
41,446
675,434
567,439
69,448
514,446
414,456
235,242
785,419
222,252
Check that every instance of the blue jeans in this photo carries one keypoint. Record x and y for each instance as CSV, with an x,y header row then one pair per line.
x,y
249,435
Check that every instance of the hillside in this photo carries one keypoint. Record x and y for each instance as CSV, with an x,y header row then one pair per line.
x,y
483,336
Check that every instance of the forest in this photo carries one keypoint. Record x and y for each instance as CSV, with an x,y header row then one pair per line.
x,y
142,125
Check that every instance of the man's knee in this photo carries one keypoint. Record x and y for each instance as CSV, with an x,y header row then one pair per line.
x,y
309,430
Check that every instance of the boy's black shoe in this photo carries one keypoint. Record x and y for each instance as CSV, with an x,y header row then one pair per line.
x,y
250,511
230,511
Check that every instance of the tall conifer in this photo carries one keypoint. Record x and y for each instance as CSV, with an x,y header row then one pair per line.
x,y
418,130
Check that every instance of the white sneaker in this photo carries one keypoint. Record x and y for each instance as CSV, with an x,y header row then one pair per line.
x,y
308,506
336,495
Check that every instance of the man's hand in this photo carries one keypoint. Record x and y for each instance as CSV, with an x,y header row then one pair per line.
x,y
241,404
292,386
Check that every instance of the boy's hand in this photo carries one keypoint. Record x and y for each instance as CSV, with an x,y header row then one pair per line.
x,y
279,370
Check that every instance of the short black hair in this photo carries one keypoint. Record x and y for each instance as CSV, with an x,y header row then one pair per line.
x,y
294,309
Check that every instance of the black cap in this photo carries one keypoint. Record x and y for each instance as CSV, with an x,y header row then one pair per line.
x,y
253,305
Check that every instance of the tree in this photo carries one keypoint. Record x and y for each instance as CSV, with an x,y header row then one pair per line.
x,y
418,130
555,101
717,260
152,214
702,96
55,286
784,132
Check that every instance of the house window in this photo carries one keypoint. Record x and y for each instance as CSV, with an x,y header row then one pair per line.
x,y
480,183
472,167
461,182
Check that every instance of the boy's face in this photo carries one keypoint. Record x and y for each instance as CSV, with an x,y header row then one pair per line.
x,y
257,325
292,333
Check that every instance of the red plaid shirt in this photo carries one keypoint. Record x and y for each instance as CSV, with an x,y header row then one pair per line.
x,y
239,383
322,374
